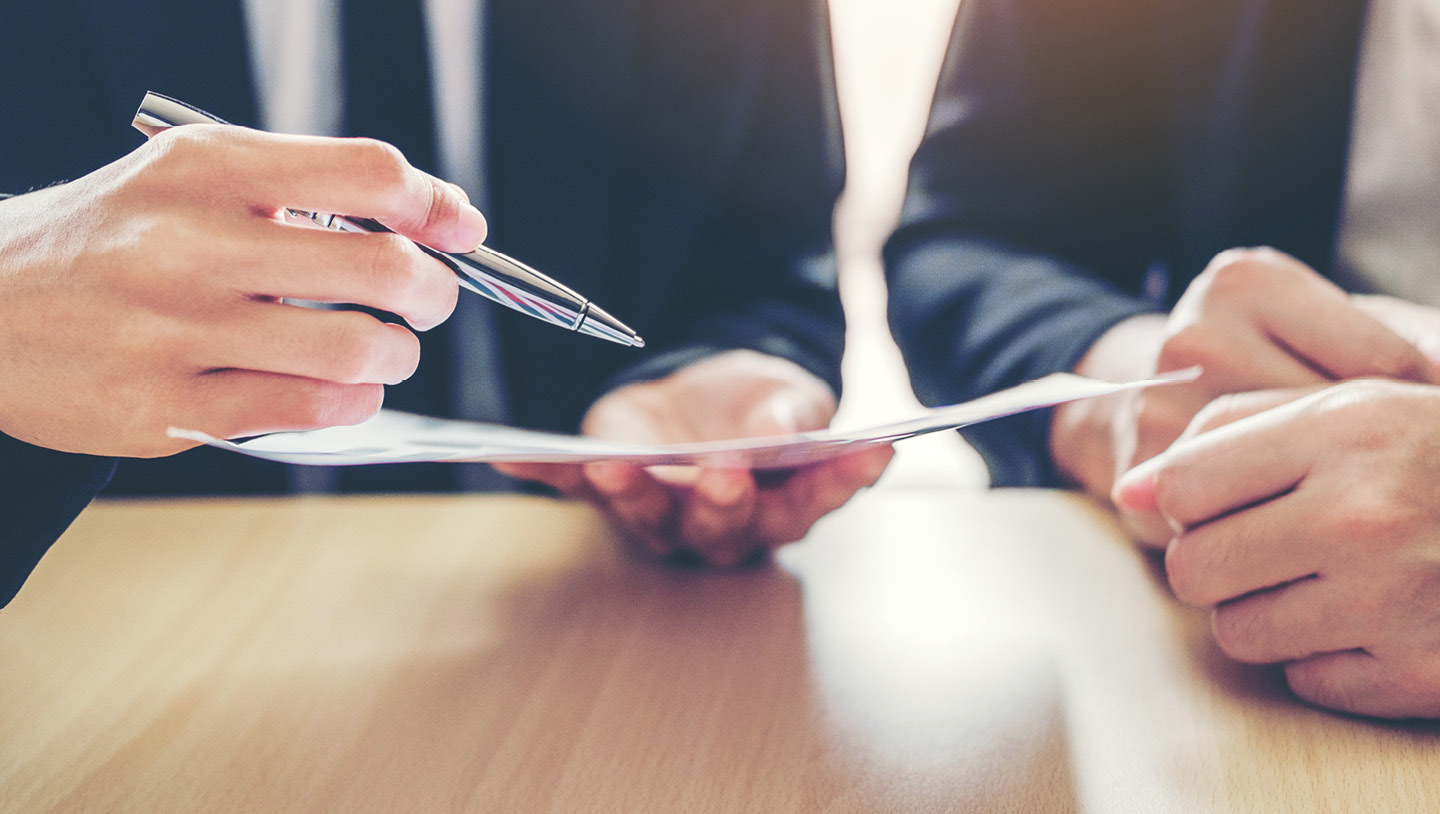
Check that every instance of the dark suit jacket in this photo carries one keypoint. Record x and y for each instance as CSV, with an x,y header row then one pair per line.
x,y
676,162
1085,159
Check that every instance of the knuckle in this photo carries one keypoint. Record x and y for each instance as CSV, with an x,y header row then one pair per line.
x,y
1194,344
130,267
175,232
1230,266
388,268
443,210
414,285
410,284
379,162
168,341
351,350
315,406
1355,414
326,404
1239,632
349,363
179,144
1244,274
1372,515
193,149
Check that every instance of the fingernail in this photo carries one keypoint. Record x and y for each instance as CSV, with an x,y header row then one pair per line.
x,y
471,228
724,489
776,415
1135,490
608,478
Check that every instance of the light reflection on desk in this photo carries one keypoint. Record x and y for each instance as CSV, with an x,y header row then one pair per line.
x,y
923,650
923,669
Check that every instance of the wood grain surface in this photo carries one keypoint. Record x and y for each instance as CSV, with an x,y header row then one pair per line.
x,y
922,650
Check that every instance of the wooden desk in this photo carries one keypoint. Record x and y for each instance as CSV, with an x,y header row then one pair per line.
x,y
921,651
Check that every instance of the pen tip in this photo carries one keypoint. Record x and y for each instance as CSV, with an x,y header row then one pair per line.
x,y
597,322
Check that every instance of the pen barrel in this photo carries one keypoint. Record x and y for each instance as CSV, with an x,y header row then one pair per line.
x,y
518,286
492,275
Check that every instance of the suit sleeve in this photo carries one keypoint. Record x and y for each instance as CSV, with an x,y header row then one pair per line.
x,y
1034,209
763,130
43,490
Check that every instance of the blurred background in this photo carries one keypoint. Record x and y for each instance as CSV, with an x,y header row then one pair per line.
x,y
887,54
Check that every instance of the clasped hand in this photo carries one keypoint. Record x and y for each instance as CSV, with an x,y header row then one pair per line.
x,y
723,516
1294,486
1312,532
1254,320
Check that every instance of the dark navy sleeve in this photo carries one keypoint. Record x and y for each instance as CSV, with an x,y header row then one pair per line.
x,y
1033,212
41,492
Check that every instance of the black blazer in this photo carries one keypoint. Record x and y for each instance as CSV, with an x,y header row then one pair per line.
x,y
676,162
1083,162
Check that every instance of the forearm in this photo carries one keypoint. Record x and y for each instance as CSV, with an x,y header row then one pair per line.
x,y
972,318
1036,209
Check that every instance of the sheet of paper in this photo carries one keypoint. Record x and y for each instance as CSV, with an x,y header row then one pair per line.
x,y
394,437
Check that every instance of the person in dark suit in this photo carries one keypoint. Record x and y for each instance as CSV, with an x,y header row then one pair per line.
x,y
676,163
1089,196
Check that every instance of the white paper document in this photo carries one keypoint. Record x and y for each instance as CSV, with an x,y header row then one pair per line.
x,y
394,437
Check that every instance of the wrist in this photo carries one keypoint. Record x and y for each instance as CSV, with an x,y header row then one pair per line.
x,y
1090,438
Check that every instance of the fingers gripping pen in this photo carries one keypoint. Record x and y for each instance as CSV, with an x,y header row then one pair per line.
x,y
483,271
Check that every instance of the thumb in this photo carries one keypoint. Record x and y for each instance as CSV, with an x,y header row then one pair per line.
x,y
785,412
1139,509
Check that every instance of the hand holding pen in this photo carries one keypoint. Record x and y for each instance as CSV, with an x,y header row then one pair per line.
x,y
481,270
150,293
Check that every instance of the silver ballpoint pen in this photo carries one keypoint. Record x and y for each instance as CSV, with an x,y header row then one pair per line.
x,y
483,271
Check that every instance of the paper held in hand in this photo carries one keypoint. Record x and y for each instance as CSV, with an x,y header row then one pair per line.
x,y
393,437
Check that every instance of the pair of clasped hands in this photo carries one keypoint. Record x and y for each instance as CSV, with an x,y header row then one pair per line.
x,y
1295,487
150,294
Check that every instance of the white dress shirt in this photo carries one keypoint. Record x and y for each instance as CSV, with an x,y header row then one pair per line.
x,y
1390,231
